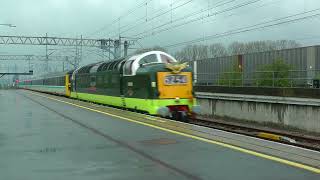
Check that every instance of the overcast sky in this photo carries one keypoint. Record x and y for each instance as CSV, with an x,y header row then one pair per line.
x,y
100,19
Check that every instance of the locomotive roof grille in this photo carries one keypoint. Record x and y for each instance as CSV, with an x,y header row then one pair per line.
x,y
115,64
111,65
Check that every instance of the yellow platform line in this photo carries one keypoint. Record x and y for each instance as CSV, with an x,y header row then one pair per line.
x,y
243,150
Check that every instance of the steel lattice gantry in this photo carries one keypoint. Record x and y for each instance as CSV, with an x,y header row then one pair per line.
x,y
33,58
45,40
23,73
105,44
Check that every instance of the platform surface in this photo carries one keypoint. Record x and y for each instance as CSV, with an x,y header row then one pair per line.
x,y
44,139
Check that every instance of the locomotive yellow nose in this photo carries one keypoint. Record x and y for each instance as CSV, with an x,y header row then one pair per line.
x,y
173,86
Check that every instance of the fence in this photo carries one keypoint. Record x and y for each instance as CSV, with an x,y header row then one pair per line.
x,y
293,78
304,61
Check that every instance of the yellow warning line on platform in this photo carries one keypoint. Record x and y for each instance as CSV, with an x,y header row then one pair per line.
x,y
269,157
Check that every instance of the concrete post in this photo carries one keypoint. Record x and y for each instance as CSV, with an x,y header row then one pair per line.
x,y
311,63
195,75
126,46
117,48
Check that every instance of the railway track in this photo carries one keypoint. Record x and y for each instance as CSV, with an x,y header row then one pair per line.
x,y
286,137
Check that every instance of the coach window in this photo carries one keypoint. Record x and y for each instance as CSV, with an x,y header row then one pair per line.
x,y
128,67
151,58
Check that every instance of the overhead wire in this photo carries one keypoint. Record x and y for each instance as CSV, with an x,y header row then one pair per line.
x,y
182,18
120,17
147,32
257,26
143,20
256,7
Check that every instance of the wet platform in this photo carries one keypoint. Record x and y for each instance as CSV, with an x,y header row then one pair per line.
x,y
49,137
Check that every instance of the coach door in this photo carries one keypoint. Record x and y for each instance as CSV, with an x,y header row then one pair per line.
x,y
68,85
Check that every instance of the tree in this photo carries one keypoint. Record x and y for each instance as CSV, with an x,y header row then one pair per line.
x,y
197,52
192,53
260,46
155,48
275,74
236,48
217,50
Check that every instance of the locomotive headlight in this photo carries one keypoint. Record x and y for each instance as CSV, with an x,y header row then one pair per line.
x,y
177,99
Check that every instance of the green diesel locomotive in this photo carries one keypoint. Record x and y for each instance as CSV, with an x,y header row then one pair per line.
x,y
152,82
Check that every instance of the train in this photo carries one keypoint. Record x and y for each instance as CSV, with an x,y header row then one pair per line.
x,y
153,82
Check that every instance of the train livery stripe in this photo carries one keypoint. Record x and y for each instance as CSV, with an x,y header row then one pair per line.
x,y
149,105
243,150
103,99
45,88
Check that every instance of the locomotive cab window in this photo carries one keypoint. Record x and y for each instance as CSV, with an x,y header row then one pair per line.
x,y
151,58
166,59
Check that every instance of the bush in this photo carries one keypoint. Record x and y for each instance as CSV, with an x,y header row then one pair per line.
x,y
275,74
232,78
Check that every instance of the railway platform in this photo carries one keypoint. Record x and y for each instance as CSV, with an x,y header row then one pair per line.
x,y
49,137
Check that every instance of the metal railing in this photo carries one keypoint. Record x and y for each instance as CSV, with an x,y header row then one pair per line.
x,y
292,78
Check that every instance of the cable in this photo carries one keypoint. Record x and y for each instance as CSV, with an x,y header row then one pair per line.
x,y
186,16
193,20
196,19
144,18
251,28
168,11
182,18
120,17
256,7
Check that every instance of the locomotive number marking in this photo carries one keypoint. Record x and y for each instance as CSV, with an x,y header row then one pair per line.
x,y
175,79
